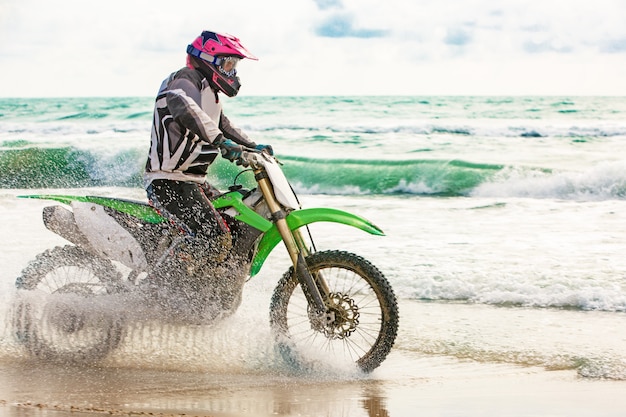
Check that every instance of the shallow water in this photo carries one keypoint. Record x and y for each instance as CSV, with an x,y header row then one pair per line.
x,y
172,379
504,221
487,280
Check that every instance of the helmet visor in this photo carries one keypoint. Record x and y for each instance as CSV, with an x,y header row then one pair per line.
x,y
228,65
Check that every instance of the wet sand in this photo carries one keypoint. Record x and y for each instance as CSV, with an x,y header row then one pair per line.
x,y
449,360
225,372
406,385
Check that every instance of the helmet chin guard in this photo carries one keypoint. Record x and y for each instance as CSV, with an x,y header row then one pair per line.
x,y
228,85
216,55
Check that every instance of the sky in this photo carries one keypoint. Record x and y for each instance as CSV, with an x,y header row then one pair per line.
x,y
60,48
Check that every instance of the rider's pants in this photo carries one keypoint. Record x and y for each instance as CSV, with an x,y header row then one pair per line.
x,y
189,203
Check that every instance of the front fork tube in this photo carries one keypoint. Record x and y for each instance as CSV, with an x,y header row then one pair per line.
x,y
314,288
305,251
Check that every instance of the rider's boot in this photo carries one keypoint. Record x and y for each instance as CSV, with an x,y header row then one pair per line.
x,y
183,274
198,253
191,255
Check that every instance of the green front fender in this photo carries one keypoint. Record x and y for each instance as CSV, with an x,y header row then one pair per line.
x,y
299,218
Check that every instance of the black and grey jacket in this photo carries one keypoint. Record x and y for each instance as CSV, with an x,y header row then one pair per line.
x,y
187,120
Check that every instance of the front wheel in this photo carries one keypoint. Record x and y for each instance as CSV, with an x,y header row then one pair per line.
x,y
361,318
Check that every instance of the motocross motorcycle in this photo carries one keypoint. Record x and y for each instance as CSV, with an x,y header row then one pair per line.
x,y
331,302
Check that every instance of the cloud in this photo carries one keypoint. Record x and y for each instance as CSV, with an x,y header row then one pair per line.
x,y
457,37
342,26
614,46
121,47
550,45
340,22
328,4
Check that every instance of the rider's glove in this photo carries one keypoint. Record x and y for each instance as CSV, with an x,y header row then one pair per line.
x,y
266,148
230,150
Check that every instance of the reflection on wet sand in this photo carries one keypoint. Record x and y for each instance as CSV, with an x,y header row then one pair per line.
x,y
31,388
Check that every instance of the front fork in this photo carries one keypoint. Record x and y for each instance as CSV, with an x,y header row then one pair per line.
x,y
314,287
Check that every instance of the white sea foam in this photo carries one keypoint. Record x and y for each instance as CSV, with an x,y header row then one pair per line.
x,y
604,181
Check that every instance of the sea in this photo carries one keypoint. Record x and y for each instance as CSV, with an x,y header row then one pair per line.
x,y
504,217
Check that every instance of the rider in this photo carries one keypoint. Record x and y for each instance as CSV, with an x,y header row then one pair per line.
x,y
189,130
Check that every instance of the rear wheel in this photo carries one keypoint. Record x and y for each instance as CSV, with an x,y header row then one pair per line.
x,y
63,311
361,323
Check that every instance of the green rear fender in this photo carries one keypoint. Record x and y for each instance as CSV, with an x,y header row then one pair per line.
x,y
299,218
134,208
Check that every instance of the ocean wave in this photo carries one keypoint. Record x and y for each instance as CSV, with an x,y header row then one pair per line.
x,y
74,108
592,367
565,294
359,176
66,167
83,122
508,129
604,181
23,165
69,130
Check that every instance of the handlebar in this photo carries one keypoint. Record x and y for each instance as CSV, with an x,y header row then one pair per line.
x,y
251,157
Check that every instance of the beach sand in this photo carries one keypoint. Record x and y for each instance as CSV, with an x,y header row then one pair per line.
x,y
227,370
404,386
222,375
231,369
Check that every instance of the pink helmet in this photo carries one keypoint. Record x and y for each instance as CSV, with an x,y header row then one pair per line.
x,y
216,56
